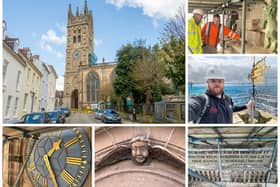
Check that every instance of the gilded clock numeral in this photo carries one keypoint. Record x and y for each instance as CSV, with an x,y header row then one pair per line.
x,y
31,156
75,161
71,142
36,177
67,177
32,166
45,182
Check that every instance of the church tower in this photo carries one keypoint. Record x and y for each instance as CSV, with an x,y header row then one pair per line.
x,y
78,51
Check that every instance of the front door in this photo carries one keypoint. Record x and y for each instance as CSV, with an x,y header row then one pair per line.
x,y
74,99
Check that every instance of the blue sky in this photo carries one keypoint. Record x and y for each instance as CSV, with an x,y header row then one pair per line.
x,y
41,25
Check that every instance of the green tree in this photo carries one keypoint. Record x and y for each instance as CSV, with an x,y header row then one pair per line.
x,y
124,84
173,44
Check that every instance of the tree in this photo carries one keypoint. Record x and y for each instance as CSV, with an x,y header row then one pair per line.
x,y
148,72
127,56
173,44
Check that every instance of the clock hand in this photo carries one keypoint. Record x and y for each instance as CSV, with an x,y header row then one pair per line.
x,y
54,148
47,162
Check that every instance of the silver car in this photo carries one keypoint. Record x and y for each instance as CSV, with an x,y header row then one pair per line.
x,y
98,114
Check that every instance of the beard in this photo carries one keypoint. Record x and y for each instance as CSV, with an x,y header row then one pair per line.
x,y
216,91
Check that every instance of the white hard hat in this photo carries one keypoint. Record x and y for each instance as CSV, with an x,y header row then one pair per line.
x,y
198,11
214,73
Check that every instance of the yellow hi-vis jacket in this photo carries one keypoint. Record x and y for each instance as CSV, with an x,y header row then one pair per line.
x,y
194,37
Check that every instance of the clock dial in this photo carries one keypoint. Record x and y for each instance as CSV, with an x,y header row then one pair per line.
x,y
76,54
61,158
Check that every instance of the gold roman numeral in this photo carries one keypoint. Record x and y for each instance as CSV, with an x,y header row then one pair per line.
x,y
36,177
45,182
32,166
71,142
75,161
67,177
32,156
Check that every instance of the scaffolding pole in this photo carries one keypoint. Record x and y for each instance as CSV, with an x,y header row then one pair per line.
x,y
253,139
223,32
243,30
220,163
271,163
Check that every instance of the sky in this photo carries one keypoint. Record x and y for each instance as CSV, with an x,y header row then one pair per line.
x,y
235,68
41,25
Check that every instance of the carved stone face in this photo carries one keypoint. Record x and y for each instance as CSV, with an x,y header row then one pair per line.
x,y
139,151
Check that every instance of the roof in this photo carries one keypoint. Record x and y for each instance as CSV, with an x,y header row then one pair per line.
x,y
12,52
28,61
7,39
231,137
53,70
207,5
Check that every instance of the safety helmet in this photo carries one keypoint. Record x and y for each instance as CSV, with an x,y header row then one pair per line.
x,y
214,73
198,11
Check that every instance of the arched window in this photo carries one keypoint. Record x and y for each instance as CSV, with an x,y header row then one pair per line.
x,y
79,39
93,86
74,39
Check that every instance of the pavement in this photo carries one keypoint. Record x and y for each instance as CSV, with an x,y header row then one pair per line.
x,y
87,118
82,118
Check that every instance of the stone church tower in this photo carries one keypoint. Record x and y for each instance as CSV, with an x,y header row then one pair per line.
x,y
84,79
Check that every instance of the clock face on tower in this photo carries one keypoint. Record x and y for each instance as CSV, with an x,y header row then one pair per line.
x,y
60,158
76,54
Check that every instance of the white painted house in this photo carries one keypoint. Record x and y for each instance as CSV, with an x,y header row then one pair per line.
x,y
48,84
13,79
51,87
43,98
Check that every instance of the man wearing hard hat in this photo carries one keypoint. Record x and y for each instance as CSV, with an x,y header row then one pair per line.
x,y
194,32
214,106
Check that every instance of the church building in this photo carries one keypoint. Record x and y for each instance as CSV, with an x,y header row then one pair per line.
x,y
84,79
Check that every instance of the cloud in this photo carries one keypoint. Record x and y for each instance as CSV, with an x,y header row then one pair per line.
x,y
97,42
60,83
158,9
51,37
230,65
50,40
50,49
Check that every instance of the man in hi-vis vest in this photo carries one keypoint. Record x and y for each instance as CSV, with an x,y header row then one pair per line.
x,y
212,34
194,32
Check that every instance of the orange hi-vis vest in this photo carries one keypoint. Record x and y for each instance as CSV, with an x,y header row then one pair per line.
x,y
212,34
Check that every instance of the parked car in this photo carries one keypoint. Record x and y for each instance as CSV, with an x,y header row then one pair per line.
x,y
56,116
64,110
36,117
12,121
98,114
111,116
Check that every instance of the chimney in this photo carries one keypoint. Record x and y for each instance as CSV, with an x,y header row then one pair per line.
x,y
26,51
36,57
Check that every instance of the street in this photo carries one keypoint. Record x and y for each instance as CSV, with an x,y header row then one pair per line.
x,y
86,118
